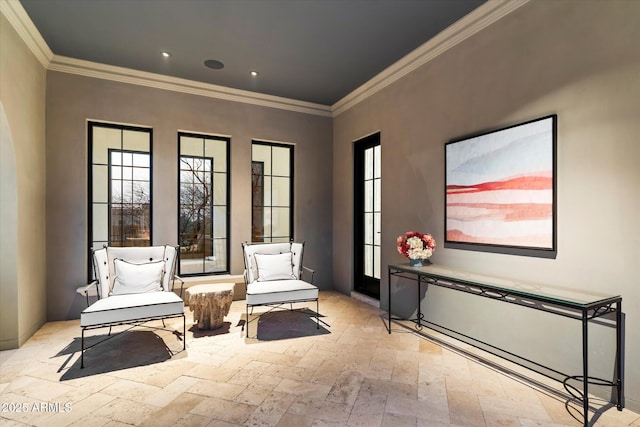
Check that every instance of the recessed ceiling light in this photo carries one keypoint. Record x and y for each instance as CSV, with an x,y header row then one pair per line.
x,y
166,54
254,73
212,63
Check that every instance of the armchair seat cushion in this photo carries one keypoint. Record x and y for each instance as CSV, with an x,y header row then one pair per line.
x,y
280,291
127,308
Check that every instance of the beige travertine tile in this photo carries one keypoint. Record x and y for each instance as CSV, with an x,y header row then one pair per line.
x,y
355,375
78,410
398,420
405,371
192,420
495,419
37,388
320,409
223,410
271,410
217,389
368,410
174,411
172,391
303,388
123,410
210,372
531,409
464,409
419,409
92,421
254,394
372,386
327,373
131,390
346,388
294,420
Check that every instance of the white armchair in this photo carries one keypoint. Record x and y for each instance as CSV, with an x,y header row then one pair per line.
x,y
134,286
273,276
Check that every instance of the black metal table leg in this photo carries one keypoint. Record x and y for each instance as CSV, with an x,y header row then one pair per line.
x,y
419,318
619,359
82,350
585,368
389,301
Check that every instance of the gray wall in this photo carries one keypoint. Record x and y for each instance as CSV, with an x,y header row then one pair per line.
x,y
22,215
580,60
72,100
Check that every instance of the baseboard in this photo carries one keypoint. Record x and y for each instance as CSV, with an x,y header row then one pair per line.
x,y
366,299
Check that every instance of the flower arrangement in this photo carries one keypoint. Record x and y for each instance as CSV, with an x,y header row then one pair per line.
x,y
416,245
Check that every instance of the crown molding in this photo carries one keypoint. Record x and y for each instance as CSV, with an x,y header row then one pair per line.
x,y
19,19
478,19
21,22
142,78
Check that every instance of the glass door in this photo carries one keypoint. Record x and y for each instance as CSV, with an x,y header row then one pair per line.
x,y
367,215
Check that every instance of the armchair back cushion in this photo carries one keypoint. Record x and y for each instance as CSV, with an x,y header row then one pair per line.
x,y
133,278
105,268
272,268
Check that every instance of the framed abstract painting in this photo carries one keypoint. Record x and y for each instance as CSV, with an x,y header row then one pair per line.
x,y
501,190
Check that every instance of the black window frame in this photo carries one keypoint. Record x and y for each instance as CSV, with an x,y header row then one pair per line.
x,y
291,148
91,124
212,205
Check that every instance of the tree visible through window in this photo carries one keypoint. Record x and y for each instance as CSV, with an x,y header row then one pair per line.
x,y
203,207
130,198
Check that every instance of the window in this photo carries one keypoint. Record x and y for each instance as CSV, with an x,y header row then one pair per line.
x,y
271,192
203,217
120,204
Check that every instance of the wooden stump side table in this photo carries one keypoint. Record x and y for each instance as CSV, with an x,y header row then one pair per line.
x,y
210,303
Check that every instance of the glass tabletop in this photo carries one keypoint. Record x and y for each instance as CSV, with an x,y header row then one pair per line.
x,y
566,296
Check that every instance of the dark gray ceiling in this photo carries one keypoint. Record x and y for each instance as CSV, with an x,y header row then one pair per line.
x,y
309,50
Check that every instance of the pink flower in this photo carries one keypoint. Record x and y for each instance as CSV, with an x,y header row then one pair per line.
x,y
415,245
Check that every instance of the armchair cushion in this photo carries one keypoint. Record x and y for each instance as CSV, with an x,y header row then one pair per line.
x,y
274,267
131,278
280,291
128,308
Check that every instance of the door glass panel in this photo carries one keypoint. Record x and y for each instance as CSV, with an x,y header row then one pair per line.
x,y
368,260
368,196
372,203
376,194
368,229
376,262
368,162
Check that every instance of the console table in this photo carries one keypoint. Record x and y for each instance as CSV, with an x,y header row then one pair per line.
x,y
583,306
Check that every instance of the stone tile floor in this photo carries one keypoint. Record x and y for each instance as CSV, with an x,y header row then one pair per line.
x,y
349,372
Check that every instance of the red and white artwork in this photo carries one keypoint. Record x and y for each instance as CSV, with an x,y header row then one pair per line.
x,y
500,187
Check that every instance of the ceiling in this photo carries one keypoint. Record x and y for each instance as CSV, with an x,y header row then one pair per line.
x,y
316,51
